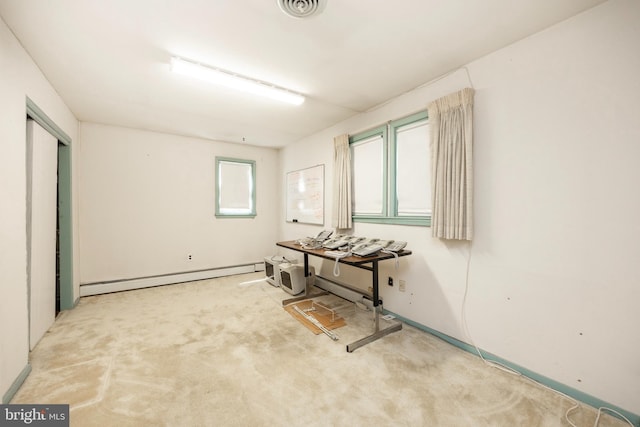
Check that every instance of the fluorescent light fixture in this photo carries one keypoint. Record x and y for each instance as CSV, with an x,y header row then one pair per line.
x,y
234,81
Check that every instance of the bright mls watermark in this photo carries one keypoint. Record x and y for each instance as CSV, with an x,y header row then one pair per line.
x,y
34,415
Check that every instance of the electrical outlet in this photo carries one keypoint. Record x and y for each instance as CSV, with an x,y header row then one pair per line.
x,y
189,256
403,285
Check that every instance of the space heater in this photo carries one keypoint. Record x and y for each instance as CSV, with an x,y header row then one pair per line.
x,y
292,278
272,269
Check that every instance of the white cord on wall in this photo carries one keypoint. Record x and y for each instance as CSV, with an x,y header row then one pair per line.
x,y
505,368
395,254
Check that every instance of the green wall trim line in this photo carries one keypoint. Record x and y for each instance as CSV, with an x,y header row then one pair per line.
x,y
548,382
399,220
16,384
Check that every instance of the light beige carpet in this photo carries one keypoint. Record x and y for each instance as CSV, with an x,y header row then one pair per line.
x,y
224,352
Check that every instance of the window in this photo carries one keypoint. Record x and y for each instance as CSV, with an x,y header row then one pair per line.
x,y
391,172
369,157
235,187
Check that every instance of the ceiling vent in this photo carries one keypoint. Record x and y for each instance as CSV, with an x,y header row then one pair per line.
x,y
302,8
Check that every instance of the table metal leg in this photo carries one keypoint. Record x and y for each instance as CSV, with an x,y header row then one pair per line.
x,y
376,297
377,333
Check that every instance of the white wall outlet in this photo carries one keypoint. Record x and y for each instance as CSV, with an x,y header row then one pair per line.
x,y
402,285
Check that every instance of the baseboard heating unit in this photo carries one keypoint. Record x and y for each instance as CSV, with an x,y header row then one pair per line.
x,y
349,294
98,288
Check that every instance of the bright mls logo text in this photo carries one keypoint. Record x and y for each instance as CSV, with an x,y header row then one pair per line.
x,y
37,415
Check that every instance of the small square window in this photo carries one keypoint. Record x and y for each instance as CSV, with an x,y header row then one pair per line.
x,y
235,187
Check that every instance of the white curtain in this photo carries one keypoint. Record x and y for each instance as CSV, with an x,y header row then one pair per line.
x,y
341,218
451,122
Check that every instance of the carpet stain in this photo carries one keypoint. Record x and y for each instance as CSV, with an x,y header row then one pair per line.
x,y
217,353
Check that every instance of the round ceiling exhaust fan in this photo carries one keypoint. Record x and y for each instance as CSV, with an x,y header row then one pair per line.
x,y
302,8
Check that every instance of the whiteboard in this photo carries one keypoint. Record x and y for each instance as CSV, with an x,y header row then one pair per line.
x,y
305,195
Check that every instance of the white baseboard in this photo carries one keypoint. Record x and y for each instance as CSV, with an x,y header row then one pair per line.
x,y
166,279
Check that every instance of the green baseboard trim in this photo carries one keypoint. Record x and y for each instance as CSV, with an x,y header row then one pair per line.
x,y
548,382
16,384
73,305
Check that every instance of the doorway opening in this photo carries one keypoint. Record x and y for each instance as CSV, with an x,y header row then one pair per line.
x,y
64,237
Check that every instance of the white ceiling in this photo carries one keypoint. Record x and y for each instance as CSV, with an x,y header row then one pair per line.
x,y
109,59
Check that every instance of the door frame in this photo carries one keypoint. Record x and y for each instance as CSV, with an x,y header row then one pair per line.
x,y
65,219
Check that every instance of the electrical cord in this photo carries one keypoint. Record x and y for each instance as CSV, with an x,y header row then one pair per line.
x,y
279,258
505,368
338,256
602,408
395,254
313,244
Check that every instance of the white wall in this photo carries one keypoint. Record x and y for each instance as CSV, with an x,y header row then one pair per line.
x,y
553,283
19,78
553,279
147,201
